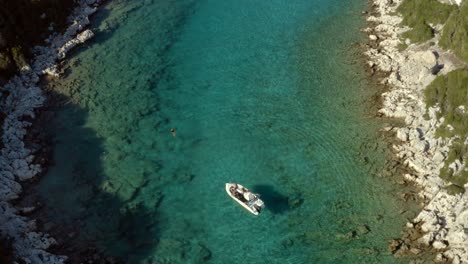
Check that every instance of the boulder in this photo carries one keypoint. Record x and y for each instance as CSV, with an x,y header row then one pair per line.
x,y
80,38
395,245
439,245
402,134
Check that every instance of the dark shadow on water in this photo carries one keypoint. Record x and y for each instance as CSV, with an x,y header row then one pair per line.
x,y
83,218
274,201
78,212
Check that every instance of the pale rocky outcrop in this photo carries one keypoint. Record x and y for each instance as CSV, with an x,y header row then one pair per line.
x,y
16,160
452,2
444,217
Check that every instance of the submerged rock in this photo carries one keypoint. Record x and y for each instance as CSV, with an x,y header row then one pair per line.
x,y
295,202
395,245
178,251
363,229
369,251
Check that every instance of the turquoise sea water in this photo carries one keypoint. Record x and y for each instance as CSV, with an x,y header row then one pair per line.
x,y
264,93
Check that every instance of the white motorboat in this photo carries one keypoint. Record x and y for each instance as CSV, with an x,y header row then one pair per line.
x,y
244,197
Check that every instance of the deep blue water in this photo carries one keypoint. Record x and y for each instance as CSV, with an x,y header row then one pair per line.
x,y
269,94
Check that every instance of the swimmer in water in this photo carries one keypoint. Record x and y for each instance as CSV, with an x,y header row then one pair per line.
x,y
173,132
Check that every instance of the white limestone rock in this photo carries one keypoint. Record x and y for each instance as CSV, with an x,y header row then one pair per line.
x,y
452,2
445,217
16,160
80,38
402,134
439,245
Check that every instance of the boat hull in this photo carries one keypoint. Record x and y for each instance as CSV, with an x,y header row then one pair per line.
x,y
228,186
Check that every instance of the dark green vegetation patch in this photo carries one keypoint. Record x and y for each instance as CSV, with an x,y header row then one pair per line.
x,y
418,14
6,251
454,189
455,32
450,92
23,24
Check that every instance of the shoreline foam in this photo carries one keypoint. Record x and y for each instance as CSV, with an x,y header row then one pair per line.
x,y
16,161
443,217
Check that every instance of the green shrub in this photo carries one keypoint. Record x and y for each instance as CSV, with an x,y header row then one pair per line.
x,y
450,92
454,189
458,151
455,32
419,33
18,57
418,14
5,61
402,46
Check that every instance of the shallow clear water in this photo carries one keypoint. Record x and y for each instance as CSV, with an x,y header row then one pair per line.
x,y
264,93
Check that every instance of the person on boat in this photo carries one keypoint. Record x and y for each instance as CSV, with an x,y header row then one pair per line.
x,y
235,191
242,190
233,188
243,194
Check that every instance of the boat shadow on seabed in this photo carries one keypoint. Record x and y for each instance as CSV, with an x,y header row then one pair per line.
x,y
275,201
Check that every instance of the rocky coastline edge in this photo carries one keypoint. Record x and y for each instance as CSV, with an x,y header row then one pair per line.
x,y
22,96
442,222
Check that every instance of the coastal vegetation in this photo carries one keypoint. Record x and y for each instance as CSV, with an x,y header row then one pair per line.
x,y
428,89
450,93
421,16
458,151
25,23
455,33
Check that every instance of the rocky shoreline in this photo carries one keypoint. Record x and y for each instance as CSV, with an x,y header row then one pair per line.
x,y
441,224
443,220
22,96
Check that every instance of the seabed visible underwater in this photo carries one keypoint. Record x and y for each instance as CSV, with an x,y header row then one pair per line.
x,y
264,93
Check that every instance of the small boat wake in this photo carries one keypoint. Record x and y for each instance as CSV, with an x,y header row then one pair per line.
x,y
244,197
